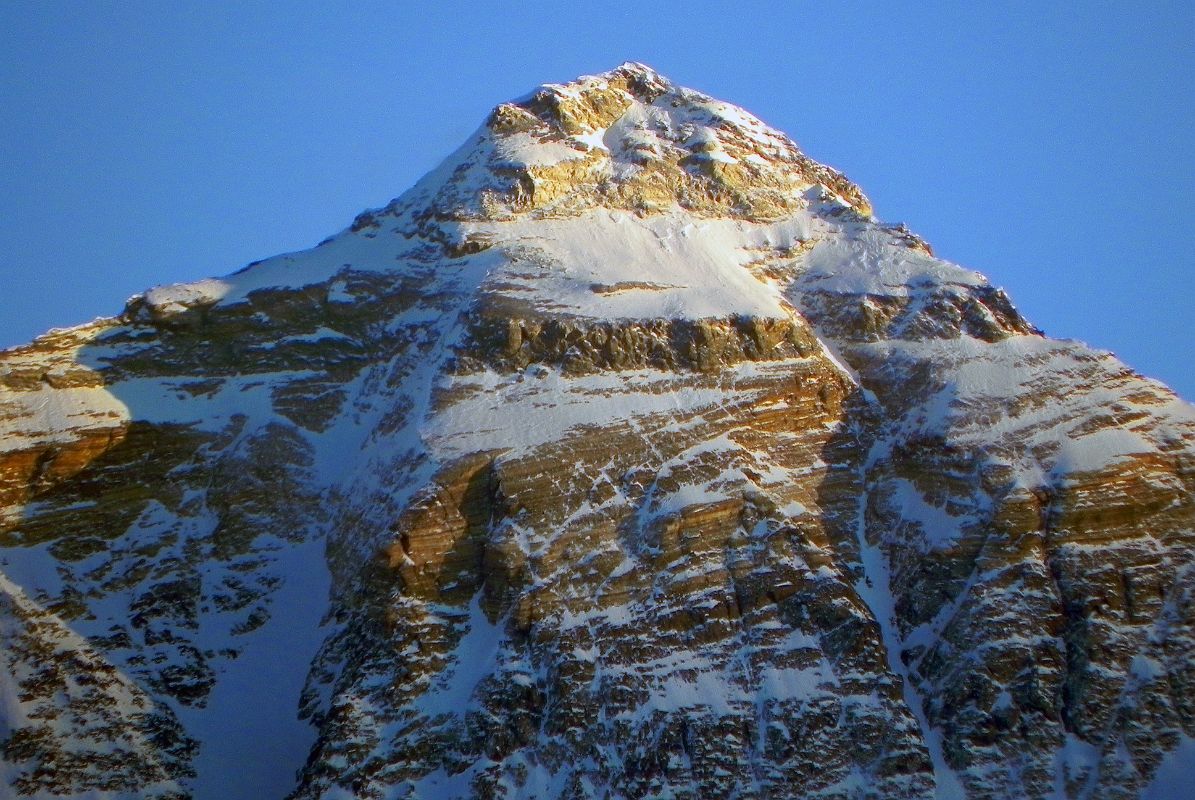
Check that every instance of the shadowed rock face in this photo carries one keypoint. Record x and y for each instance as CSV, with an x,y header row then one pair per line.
x,y
626,455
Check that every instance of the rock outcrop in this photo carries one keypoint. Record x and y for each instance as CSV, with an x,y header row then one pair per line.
x,y
626,455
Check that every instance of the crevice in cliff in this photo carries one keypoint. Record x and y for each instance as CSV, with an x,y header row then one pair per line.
x,y
874,588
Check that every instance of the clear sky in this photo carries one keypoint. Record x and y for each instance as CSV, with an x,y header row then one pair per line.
x,y
1049,145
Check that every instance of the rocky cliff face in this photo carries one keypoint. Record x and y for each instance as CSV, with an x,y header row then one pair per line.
x,y
626,455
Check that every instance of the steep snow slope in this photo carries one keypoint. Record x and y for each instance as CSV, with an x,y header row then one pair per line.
x,y
625,455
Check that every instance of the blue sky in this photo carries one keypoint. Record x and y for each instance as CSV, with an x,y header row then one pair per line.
x,y
1048,145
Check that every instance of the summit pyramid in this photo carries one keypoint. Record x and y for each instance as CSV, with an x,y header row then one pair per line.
x,y
626,455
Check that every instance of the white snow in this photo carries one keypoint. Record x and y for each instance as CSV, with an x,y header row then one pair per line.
x,y
320,334
252,738
526,150
179,296
53,415
617,265
547,408
1175,779
940,527
475,657
867,260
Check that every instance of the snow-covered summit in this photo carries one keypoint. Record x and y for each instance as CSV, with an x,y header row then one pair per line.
x,y
620,195
625,455
630,139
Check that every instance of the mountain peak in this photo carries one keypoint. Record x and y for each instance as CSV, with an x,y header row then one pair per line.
x,y
627,139
625,455
631,78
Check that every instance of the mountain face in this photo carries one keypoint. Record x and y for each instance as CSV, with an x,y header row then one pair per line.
x,y
626,455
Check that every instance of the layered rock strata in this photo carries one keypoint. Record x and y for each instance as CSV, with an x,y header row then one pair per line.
x,y
626,455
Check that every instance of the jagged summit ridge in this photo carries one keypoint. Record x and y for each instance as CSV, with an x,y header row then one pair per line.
x,y
614,196
625,455
627,139
628,142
